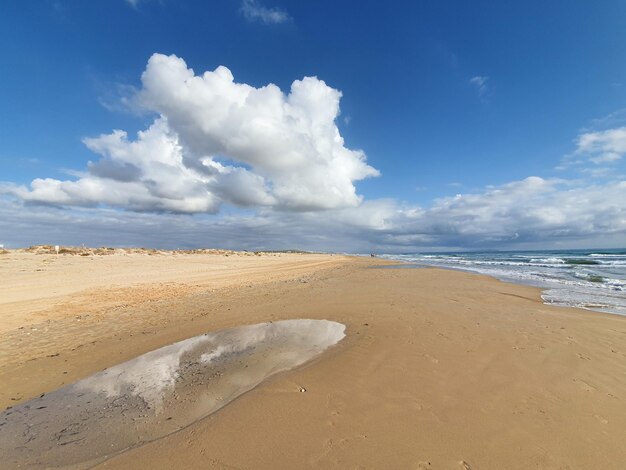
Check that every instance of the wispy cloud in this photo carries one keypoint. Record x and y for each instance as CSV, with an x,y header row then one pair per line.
x,y
615,119
252,10
136,3
605,147
117,97
479,82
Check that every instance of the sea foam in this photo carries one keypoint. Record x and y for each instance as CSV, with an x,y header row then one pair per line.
x,y
577,278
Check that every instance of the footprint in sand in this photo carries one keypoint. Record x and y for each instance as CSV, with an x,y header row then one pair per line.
x,y
432,359
601,419
585,385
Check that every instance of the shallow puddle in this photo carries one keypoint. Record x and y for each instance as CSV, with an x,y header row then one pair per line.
x,y
155,394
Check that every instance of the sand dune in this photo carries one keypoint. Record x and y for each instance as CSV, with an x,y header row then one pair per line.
x,y
439,369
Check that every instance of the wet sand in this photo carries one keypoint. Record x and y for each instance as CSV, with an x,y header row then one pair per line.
x,y
439,369
155,394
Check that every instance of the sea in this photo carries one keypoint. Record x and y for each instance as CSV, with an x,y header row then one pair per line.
x,y
589,279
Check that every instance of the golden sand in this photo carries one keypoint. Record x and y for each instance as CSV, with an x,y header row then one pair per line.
x,y
439,369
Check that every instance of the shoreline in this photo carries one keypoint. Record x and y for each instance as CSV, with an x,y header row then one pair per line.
x,y
479,371
411,265
558,288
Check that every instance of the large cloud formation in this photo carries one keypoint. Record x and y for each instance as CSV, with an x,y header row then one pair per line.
x,y
531,213
280,158
217,141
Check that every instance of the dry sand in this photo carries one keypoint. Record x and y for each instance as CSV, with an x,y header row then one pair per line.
x,y
440,369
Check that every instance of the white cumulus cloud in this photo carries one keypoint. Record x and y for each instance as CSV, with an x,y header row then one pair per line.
x,y
217,141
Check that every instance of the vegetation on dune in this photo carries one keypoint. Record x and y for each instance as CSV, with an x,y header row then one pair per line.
x,y
87,251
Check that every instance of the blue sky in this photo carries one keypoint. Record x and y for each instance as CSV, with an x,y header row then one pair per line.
x,y
444,99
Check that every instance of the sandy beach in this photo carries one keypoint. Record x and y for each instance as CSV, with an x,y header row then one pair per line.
x,y
439,369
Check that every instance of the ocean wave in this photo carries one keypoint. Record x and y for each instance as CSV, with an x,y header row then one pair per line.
x,y
616,263
583,262
548,260
590,277
586,300
594,281
617,284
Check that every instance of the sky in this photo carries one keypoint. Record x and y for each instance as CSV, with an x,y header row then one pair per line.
x,y
328,125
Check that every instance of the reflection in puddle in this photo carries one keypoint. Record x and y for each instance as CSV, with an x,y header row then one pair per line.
x,y
155,394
